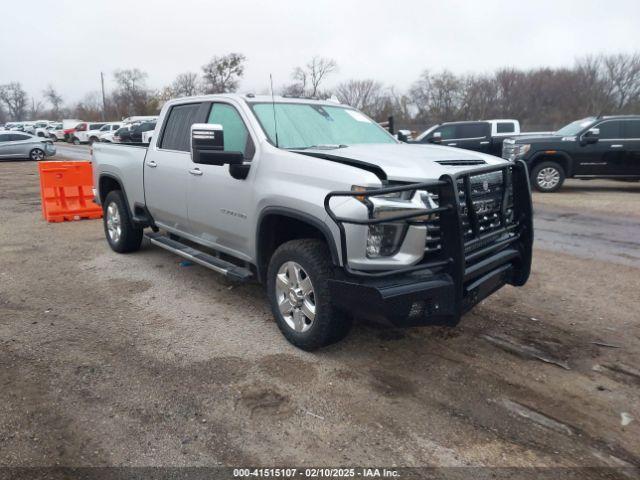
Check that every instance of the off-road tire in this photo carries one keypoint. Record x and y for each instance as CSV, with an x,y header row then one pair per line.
x,y
547,165
131,234
330,324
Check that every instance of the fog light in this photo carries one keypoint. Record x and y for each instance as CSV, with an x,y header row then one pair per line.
x,y
383,240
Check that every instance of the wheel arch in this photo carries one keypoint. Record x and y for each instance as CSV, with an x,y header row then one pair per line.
x,y
558,156
275,226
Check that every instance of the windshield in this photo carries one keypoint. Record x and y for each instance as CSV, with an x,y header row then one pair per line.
x,y
575,127
302,125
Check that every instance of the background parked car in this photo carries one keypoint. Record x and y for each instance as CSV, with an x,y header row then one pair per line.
x,y
81,133
23,145
135,135
122,135
94,131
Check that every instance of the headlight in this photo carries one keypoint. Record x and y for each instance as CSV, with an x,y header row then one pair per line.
x,y
384,239
522,149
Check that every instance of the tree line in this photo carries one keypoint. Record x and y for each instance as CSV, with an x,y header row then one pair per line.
x,y
541,98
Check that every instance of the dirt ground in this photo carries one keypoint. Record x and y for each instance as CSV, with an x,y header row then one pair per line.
x,y
135,360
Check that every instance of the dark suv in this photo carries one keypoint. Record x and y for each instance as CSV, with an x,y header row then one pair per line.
x,y
594,147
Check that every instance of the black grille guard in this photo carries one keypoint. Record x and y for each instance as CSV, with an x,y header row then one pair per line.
x,y
457,256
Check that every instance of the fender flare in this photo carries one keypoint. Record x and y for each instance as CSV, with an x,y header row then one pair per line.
x,y
296,215
566,158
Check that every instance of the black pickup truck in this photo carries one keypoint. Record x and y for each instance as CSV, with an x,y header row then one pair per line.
x,y
594,147
484,136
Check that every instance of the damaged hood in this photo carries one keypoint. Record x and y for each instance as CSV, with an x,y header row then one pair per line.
x,y
407,162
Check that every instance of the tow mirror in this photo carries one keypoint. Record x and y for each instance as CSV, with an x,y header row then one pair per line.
x,y
207,146
591,136
436,137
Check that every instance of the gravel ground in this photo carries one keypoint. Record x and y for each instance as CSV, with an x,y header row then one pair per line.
x,y
134,360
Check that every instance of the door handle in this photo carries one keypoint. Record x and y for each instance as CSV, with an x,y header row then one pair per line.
x,y
152,164
451,144
617,146
196,171
484,143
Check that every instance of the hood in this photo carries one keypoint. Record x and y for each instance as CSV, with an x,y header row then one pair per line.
x,y
406,162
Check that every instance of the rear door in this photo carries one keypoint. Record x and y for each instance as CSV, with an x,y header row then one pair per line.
x,y
221,207
167,164
631,134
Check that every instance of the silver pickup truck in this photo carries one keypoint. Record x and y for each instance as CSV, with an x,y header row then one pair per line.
x,y
323,206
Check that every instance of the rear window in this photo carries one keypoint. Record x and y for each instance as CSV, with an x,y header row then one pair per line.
x,y
472,130
178,126
505,127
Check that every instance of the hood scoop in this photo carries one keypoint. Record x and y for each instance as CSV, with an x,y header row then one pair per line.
x,y
461,163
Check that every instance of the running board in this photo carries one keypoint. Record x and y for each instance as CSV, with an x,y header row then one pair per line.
x,y
227,269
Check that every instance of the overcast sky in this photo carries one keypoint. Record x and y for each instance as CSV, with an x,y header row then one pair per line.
x,y
68,43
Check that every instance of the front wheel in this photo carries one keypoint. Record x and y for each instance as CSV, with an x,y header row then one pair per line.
x,y
75,141
298,288
547,177
122,234
36,154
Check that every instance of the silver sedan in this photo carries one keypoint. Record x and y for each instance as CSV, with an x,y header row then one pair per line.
x,y
23,145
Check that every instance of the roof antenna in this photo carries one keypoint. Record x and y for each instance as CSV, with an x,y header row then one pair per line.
x,y
273,104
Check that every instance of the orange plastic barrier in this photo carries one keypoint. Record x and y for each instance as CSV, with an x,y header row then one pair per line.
x,y
66,191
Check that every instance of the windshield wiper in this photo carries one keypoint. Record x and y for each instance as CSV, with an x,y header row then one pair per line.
x,y
320,147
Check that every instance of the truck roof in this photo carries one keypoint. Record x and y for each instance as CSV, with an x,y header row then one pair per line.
x,y
251,98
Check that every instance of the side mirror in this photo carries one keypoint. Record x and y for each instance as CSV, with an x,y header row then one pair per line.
x,y
436,137
207,146
591,136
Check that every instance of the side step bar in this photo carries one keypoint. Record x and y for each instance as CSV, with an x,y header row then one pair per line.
x,y
228,269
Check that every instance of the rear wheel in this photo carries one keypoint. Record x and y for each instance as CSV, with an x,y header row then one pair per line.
x,y
75,141
122,234
93,140
547,176
36,154
298,288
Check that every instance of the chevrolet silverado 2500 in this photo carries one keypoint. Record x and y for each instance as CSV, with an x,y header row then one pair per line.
x,y
319,203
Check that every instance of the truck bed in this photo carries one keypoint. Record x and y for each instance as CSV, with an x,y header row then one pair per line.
x,y
123,163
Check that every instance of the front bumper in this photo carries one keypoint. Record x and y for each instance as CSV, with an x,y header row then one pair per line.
x,y
421,298
471,265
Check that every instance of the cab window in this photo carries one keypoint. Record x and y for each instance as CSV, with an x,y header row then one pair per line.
x,y
177,130
610,130
236,135
632,129
447,132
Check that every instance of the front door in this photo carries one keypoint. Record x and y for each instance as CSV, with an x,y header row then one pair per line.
x,y
166,168
221,209
605,157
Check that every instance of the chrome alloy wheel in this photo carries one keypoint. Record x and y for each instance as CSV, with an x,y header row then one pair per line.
x,y
548,178
114,225
295,297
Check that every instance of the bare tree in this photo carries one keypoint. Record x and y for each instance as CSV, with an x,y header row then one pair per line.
x,y
54,99
309,78
366,95
622,73
185,85
36,108
131,96
15,99
223,73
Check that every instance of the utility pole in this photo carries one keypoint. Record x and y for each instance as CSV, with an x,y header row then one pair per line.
x,y
104,99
